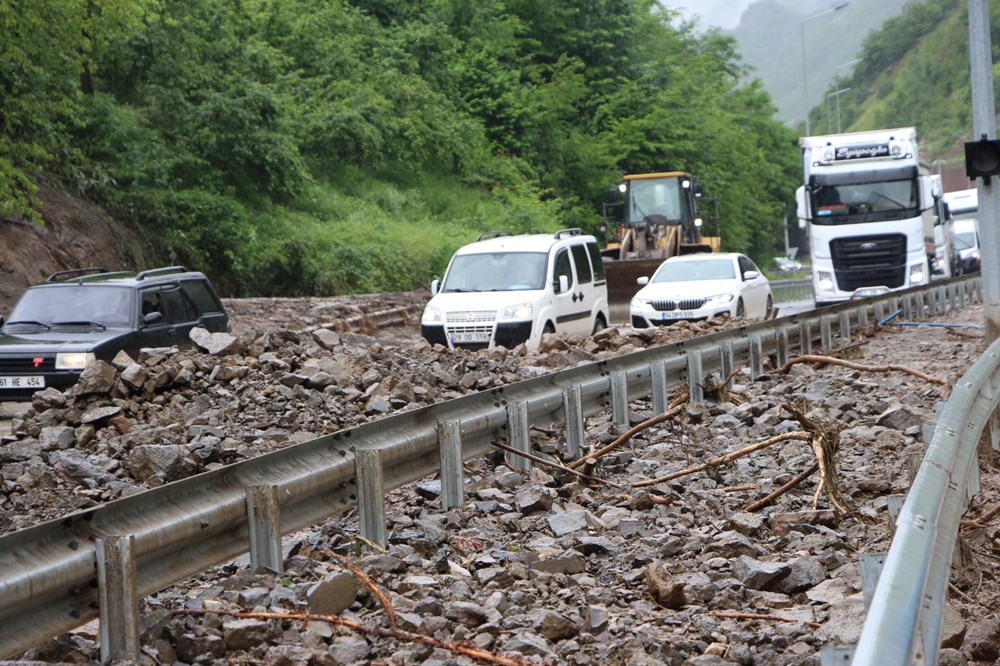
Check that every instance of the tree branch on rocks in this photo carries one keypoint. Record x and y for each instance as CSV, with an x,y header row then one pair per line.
x,y
556,465
825,441
815,358
729,457
761,616
673,409
765,501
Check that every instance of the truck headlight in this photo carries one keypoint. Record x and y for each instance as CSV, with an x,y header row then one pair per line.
x,y
74,360
517,312
432,315
917,274
824,281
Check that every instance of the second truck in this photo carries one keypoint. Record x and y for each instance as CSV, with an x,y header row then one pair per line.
x,y
867,206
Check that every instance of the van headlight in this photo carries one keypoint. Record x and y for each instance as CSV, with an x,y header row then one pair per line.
x,y
518,312
824,281
719,299
74,360
917,274
432,315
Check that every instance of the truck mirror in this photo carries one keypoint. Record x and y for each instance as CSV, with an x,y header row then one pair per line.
x,y
926,193
801,206
613,195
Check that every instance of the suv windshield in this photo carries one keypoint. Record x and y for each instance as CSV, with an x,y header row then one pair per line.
x,y
496,271
74,304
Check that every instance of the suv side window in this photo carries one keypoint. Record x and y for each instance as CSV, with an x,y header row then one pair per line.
x,y
178,309
562,267
199,293
595,261
582,264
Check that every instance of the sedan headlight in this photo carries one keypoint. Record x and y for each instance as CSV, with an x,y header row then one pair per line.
x,y
638,303
719,299
74,360
432,315
517,312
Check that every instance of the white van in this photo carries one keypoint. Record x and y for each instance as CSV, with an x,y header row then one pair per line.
x,y
504,290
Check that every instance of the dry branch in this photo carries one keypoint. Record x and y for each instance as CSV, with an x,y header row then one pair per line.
x,y
815,358
762,616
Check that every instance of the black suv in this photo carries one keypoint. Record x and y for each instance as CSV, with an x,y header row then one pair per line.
x,y
78,316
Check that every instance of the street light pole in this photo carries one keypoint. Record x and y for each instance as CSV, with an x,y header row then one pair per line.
x,y
805,76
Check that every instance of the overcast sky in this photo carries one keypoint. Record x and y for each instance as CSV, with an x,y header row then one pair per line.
x,y
723,13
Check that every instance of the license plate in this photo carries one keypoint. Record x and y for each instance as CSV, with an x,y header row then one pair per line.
x,y
29,381
471,337
678,314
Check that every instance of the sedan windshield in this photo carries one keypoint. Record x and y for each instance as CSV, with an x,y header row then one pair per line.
x,y
74,305
496,271
683,271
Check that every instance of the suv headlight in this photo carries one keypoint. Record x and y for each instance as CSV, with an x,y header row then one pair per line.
x,y
517,312
74,360
719,299
432,315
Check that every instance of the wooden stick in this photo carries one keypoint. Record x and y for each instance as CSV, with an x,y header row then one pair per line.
x,y
673,410
762,616
764,501
814,358
798,435
555,465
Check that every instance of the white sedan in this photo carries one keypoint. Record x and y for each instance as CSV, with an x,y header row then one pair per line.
x,y
698,286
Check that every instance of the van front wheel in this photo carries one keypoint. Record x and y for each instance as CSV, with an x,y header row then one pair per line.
x,y
599,324
549,328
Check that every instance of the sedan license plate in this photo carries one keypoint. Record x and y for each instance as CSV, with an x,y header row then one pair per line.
x,y
23,382
676,314
483,336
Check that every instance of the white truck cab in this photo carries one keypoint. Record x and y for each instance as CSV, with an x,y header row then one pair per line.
x,y
504,290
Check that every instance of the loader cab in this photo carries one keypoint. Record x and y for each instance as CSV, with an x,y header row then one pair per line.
x,y
506,289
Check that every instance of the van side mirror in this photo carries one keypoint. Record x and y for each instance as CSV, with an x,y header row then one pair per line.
x,y
435,285
562,284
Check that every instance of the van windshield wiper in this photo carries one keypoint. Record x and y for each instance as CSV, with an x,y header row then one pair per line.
x,y
29,322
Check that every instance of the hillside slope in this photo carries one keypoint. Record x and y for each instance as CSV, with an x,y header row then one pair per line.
x,y
74,234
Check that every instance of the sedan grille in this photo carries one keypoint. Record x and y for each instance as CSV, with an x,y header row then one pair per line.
x,y
683,304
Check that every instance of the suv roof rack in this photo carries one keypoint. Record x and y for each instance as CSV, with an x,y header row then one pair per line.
x,y
575,231
166,270
493,234
64,276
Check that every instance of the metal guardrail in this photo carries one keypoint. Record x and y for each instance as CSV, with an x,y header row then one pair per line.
x,y
904,621
97,563
786,291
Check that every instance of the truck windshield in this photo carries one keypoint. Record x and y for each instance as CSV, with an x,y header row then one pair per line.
x,y
653,198
496,271
871,201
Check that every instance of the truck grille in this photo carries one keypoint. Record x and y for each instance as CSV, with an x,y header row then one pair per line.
x,y
684,304
869,261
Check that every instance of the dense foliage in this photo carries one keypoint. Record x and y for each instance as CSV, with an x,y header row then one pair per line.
x,y
915,71
335,146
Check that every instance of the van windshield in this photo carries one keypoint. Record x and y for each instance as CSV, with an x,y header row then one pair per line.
x,y
496,271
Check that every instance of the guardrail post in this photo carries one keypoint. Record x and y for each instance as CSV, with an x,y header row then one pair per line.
x,y
805,338
371,495
879,312
119,598
520,439
452,475
871,569
619,397
845,325
756,357
907,309
826,333
862,316
781,347
264,518
835,655
573,409
727,360
696,386
894,504
660,388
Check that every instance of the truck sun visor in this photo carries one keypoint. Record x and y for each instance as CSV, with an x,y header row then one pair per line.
x,y
851,177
